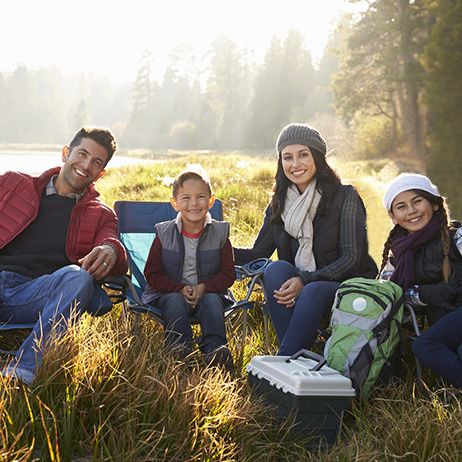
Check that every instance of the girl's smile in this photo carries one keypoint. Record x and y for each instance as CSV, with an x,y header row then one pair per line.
x,y
411,211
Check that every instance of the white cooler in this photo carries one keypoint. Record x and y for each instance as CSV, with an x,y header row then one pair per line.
x,y
314,395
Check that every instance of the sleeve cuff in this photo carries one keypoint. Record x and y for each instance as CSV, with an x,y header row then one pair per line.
x,y
113,246
304,276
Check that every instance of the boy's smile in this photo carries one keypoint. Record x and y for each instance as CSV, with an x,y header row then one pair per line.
x,y
193,201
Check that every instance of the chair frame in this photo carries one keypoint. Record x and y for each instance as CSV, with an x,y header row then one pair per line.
x,y
7,327
255,271
412,318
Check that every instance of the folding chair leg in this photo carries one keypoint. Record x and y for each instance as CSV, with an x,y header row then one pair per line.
x,y
265,323
419,373
137,323
244,328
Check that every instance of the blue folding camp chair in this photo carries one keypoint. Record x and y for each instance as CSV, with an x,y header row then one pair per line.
x,y
254,271
136,227
9,326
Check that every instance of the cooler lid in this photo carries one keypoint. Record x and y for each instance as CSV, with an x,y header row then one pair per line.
x,y
296,377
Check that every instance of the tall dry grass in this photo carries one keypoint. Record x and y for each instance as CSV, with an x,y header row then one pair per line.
x,y
109,393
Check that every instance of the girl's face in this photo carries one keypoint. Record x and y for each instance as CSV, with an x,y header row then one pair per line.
x,y
411,211
298,165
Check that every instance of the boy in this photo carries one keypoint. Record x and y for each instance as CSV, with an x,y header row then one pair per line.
x,y
189,269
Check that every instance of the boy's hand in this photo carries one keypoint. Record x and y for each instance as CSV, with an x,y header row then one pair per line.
x,y
197,292
187,293
192,294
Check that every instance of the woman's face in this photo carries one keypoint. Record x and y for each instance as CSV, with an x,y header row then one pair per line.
x,y
298,165
411,211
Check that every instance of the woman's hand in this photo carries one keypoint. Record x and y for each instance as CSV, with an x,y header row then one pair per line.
x,y
288,293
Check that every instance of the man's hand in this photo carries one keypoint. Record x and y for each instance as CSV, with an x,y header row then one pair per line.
x,y
99,261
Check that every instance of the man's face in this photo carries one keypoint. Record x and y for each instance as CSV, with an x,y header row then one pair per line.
x,y
82,166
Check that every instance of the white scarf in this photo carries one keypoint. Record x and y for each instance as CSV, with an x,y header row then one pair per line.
x,y
298,215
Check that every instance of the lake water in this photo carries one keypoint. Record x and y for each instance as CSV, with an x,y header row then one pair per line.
x,y
34,163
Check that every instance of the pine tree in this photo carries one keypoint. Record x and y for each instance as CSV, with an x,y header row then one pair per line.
x,y
380,73
443,62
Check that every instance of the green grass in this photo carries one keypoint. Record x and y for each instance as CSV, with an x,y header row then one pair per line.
x,y
107,393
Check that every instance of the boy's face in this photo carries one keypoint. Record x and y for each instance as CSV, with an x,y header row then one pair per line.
x,y
193,200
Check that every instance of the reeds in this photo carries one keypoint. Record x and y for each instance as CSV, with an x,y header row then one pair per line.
x,y
108,393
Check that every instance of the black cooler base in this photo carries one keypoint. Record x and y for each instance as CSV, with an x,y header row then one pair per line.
x,y
311,394
318,417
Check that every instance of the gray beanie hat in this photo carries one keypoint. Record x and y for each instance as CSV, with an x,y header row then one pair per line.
x,y
406,182
301,134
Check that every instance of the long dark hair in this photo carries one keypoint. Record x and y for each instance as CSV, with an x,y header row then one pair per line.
x,y
443,214
327,183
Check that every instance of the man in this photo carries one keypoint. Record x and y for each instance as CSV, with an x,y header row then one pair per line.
x,y
56,238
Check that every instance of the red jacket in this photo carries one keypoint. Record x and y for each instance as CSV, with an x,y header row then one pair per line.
x,y
92,222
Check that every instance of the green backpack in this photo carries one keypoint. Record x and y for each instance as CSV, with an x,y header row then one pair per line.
x,y
365,330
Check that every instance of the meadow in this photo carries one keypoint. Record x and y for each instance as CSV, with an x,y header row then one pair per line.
x,y
108,393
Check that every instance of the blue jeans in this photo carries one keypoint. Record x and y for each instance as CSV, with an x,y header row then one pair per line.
x,y
296,326
49,301
177,325
440,347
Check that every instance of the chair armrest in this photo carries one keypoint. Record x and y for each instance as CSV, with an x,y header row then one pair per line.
x,y
251,269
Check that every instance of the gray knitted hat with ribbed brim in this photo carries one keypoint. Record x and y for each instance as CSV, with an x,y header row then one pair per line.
x,y
407,182
303,134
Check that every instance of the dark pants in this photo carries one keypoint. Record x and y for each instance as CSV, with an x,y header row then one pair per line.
x,y
177,325
440,346
296,327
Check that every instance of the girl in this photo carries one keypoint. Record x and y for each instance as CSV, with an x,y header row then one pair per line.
x,y
421,255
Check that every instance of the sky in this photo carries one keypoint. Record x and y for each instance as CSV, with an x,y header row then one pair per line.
x,y
109,37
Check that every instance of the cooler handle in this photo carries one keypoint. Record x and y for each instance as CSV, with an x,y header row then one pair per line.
x,y
310,355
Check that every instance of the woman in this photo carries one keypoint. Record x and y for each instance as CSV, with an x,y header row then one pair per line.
x,y
318,227
422,256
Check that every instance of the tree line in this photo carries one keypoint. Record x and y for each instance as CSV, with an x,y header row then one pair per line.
x,y
390,75
237,105
398,84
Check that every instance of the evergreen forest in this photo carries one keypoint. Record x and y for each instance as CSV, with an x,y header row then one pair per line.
x,y
388,86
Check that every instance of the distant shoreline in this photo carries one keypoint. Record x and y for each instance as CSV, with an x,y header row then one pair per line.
x,y
34,162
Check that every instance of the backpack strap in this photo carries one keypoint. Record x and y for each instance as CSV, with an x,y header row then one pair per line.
x,y
385,323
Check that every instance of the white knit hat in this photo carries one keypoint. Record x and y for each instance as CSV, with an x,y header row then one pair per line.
x,y
406,182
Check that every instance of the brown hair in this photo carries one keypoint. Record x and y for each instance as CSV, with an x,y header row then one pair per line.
x,y
195,173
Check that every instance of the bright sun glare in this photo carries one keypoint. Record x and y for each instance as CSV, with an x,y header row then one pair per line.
x,y
109,37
